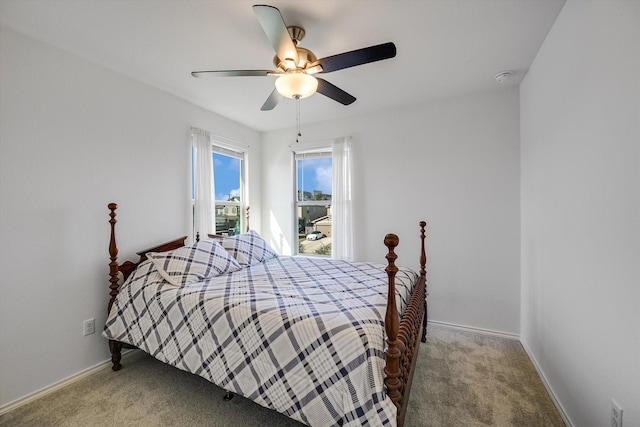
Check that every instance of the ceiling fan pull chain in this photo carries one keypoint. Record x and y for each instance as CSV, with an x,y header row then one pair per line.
x,y
298,134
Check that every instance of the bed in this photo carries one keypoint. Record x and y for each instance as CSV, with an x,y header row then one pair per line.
x,y
325,342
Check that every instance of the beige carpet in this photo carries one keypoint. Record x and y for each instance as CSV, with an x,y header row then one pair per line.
x,y
462,379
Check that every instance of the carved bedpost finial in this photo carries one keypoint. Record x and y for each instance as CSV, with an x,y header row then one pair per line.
x,y
247,217
423,254
197,236
113,255
392,324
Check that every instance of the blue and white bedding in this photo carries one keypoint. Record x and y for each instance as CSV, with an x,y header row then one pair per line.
x,y
303,336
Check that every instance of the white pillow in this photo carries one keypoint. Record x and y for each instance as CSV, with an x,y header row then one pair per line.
x,y
248,248
189,264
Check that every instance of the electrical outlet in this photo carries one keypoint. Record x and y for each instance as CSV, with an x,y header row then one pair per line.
x,y
88,327
616,414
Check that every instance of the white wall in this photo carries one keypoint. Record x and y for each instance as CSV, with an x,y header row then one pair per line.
x,y
580,141
74,137
455,164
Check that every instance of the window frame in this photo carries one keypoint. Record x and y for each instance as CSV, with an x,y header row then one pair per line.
x,y
228,150
322,152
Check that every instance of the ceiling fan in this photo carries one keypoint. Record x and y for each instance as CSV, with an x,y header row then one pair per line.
x,y
296,66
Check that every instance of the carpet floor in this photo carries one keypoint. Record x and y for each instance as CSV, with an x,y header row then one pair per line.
x,y
462,379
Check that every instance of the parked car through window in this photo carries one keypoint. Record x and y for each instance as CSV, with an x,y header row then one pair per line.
x,y
316,235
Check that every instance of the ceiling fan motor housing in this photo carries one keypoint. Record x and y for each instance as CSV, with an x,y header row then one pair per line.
x,y
305,58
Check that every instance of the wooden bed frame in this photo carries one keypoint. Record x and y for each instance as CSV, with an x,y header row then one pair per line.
x,y
402,347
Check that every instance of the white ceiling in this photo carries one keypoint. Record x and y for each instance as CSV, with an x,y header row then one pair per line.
x,y
445,47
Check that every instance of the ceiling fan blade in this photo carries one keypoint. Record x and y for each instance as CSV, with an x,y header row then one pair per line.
x,y
334,92
357,57
272,101
276,31
232,73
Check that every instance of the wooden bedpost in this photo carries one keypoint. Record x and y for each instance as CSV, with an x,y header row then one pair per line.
x,y
114,346
247,217
113,254
423,274
394,347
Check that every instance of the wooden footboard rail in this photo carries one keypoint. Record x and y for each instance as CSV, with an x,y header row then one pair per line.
x,y
402,348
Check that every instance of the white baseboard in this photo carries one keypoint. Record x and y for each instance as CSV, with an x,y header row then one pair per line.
x,y
57,386
476,329
554,398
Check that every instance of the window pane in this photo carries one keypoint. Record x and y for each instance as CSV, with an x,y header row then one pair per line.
x,y
227,177
227,219
314,205
314,179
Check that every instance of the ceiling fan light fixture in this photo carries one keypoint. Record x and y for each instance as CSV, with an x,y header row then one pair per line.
x,y
296,84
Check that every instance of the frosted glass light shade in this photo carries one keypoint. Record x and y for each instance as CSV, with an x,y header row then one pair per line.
x,y
296,84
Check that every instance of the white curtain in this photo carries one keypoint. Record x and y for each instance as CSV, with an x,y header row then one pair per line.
x,y
203,182
341,203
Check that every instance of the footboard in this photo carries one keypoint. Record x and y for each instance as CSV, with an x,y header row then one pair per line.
x,y
402,335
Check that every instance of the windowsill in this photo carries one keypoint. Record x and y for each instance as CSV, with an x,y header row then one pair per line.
x,y
312,256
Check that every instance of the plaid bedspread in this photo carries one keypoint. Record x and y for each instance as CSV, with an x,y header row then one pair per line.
x,y
302,336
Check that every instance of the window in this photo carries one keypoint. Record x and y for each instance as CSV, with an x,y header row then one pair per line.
x,y
313,171
228,189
